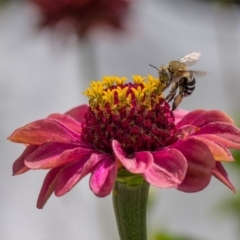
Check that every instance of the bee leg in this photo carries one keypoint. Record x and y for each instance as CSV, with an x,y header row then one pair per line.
x,y
177,100
172,92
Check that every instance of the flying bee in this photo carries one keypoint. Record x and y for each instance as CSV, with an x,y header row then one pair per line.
x,y
179,77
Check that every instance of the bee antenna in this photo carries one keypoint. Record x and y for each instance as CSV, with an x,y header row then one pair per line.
x,y
153,66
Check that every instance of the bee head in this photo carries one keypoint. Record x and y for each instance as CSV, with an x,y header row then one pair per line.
x,y
164,74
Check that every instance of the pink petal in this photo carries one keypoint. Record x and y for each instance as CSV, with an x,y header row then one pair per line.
x,y
220,173
104,176
211,116
67,121
48,186
140,163
51,155
168,170
19,166
224,131
200,164
189,118
219,152
179,114
218,139
45,130
78,112
71,175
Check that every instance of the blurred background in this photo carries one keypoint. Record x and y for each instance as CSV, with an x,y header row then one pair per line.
x,y
45,65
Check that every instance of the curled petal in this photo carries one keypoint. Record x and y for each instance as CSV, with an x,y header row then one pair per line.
x,y
50,155
229,134
67,120
200,164
140,163
48,186
71,175
189,118
104,176
168,170
78,112
45,130
211,116
19,166
224,142
219,152
179,114
220,173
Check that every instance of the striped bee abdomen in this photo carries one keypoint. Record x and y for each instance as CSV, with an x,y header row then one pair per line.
x,y
188,86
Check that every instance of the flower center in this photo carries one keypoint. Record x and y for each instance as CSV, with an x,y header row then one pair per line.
x,y
135,114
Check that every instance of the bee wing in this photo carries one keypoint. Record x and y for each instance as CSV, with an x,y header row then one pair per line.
x,y
198,73
190,58
195,73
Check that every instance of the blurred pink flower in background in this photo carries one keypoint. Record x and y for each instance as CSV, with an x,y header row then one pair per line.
x,y
127,127
83,15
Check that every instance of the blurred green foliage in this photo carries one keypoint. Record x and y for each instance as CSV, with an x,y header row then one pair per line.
x,y
236,156
167,236
224,1
4,2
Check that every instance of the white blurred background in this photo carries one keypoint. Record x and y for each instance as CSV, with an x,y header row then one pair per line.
x,y
42,73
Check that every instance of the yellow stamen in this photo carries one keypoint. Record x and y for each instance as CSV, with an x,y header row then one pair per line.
x,y
114,92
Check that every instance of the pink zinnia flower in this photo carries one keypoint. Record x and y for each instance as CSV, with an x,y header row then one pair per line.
x,y
82,15
127,133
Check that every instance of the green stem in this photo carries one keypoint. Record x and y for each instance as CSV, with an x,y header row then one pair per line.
x,y
130,206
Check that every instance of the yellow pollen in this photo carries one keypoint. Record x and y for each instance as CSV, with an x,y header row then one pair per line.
x,y
138,79
114,92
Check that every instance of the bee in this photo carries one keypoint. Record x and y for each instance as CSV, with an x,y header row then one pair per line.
x,y
179,77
